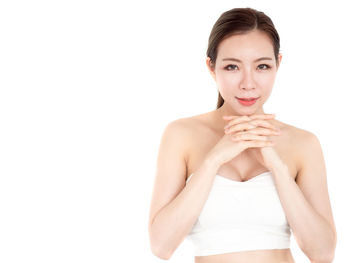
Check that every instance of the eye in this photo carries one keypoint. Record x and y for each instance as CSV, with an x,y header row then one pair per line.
x,y
261,66
231,65
267,66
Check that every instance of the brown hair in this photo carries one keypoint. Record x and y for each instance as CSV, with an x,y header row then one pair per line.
x,y
240,21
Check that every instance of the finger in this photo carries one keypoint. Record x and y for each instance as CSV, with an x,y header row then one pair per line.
x,y
238,120
249,136
264,123
252,133
247,127
266,115
254,144
239,127
230,117
262,116
264,131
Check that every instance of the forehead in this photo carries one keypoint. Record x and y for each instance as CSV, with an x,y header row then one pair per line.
x,y
246,46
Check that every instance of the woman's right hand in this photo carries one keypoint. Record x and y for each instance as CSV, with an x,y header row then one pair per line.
x,y
256,130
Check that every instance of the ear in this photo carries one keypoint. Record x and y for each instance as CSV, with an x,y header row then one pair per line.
x,y
210,68
279,60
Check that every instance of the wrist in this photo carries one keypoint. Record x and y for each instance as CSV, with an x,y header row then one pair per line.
x,y
211,162
281,168
281,171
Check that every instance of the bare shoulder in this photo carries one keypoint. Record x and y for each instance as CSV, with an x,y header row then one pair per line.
x,y
182,128
296,134
298,140
178,127
301,136
307,144
180,131
191,131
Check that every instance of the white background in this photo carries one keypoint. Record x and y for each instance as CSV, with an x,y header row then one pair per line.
x,y
87,88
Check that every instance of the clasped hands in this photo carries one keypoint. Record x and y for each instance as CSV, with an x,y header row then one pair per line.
x,y
259,130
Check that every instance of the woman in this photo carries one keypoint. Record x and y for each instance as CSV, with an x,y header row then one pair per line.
x,y
235,180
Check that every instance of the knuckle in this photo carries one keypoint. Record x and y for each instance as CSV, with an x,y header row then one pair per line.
x,y
249,126
240,119
255,131
233,129
261,122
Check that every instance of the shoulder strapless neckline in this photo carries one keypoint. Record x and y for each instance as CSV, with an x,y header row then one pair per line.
x,y
219,177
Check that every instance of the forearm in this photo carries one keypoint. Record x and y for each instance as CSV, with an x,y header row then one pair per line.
x,y
312,232
175,220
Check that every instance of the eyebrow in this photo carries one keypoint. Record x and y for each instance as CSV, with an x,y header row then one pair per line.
x,y
259,59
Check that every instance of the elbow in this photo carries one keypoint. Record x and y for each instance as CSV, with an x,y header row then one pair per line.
x,y
161,253
322,261
158,247
326,258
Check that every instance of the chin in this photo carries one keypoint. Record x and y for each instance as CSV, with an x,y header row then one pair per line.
x,y
247,111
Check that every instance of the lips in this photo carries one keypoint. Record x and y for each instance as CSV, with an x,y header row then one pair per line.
x,y
248,99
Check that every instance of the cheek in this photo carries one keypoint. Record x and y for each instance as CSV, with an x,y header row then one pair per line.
x,y
265,83
265,80
227,82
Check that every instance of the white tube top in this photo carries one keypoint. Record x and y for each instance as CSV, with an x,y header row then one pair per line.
x,y
239,216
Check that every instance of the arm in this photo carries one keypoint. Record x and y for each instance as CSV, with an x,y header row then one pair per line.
x,y
306,202
175,206
176,220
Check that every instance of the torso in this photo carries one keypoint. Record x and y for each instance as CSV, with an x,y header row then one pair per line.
x,y
204,135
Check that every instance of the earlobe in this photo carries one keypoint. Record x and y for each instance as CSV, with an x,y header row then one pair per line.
x,y
279,59
210,68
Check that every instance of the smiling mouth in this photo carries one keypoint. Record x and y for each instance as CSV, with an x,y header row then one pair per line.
x,y
248,99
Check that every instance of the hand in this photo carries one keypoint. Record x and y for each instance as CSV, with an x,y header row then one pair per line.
x,y
266,156
237,139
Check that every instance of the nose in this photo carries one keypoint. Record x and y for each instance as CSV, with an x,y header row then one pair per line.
x,y
247,82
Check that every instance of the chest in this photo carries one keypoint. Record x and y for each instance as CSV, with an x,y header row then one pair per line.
x,y
237,203
245,165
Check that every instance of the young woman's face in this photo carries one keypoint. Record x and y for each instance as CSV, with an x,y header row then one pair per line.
x,y
247,77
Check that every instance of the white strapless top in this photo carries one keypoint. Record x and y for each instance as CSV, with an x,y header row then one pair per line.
x,y
239,216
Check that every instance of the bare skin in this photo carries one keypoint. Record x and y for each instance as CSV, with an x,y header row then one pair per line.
x,y
205,134
245,67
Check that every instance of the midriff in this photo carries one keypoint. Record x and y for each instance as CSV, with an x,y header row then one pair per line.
x,y
253,256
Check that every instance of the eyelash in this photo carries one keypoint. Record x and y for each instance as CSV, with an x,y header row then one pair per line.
x,y
267,66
